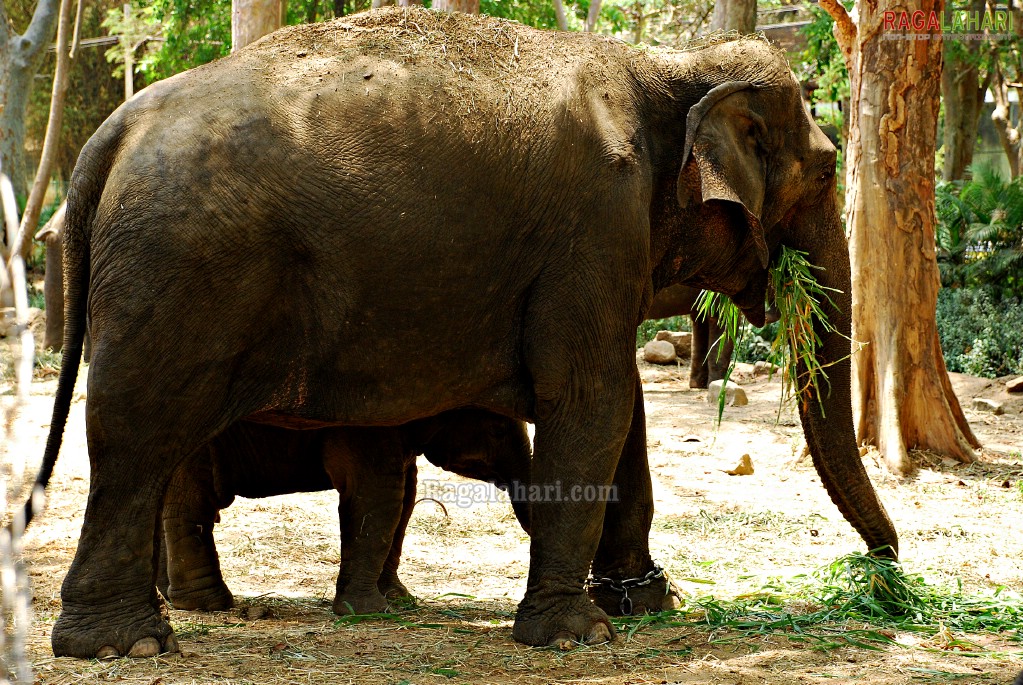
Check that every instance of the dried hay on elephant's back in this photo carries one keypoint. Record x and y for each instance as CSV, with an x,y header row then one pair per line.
x,y
522,71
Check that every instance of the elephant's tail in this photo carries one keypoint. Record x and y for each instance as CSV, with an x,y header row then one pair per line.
x,y
83,196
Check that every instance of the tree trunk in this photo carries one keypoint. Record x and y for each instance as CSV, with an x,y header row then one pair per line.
x,y
963,95
34,206
593,15
734,15
1008,130
559,14
253,19
467,6
20,58
53,285
901,390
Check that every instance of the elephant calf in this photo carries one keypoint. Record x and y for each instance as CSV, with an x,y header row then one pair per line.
x,y
374,472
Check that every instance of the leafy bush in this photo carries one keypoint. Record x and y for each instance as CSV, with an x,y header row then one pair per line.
x,y
980,336
754,344
980,233
648,329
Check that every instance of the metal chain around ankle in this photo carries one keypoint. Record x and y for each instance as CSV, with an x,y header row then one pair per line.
x,y
623,586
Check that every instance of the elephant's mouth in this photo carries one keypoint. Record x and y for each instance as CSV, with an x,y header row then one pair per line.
x,y
750,300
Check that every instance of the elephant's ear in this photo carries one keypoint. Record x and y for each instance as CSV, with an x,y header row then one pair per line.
x,y
720,160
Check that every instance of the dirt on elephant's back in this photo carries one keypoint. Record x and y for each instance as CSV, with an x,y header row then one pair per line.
x,y
466,560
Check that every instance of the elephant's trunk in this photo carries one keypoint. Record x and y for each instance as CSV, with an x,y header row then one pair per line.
x,y
828,422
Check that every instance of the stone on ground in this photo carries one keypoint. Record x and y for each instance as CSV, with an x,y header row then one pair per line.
x,y
659,352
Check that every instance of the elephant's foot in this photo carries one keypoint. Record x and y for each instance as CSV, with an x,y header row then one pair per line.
x,y
350,601
215,597
88,636
561,621
645,594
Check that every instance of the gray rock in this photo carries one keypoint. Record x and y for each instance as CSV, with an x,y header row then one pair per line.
x,y
989,406
659,352
735,396
682,340
764,368
1015,385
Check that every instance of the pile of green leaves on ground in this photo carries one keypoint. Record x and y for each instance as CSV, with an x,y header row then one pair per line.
x,y
859,600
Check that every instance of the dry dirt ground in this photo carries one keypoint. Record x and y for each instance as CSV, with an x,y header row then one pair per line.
x,y
716,534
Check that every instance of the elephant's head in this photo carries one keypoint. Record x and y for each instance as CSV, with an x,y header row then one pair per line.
x,y
755,172
481,445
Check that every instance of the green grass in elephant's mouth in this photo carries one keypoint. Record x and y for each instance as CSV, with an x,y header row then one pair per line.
x,y
799,299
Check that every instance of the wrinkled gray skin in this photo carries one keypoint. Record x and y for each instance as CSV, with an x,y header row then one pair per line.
x,y
709,360
255,460
488,235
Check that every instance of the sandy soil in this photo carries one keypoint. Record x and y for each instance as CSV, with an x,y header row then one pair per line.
x,y
715,533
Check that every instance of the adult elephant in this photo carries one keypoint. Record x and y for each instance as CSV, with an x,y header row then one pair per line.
x,y
376,219
707,362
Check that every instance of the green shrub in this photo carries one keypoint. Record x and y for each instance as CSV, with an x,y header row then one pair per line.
x,y
980,335
979,236
754,344
648,329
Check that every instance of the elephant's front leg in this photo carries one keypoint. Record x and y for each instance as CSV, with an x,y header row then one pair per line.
x,y
576,450
625,579
191,508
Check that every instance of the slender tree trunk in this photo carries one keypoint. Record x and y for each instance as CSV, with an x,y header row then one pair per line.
x,y
593,15
559,14
963,95
253,19
467,6
1009,131
901,390
734,15
20,59
34,206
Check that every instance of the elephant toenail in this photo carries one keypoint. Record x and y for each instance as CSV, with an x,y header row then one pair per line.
x,y
144,648
171,644
564,641
598,635
108,652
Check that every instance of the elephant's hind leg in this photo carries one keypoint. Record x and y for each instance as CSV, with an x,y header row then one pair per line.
x,y
110,603
390,584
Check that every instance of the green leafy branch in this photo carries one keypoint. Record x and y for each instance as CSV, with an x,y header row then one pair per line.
x,y
796,347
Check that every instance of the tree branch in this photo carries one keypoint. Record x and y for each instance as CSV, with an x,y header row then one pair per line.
x,y
39,30
34,205
845,29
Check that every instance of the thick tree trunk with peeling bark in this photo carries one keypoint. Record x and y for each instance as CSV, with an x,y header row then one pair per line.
x,y
901,390
253,19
